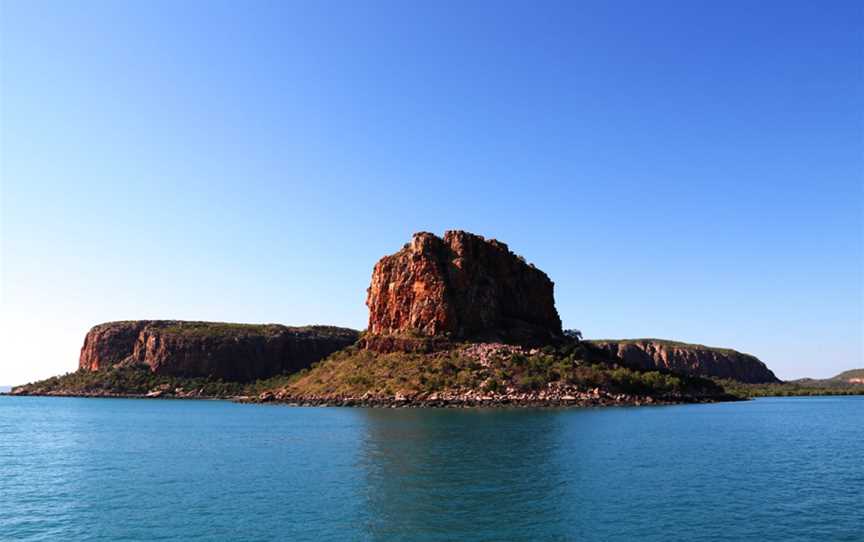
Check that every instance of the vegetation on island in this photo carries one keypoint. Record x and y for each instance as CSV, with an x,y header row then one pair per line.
x,y
354,371
487,368
478,367
787,389
846,383
139,381
135,380
230,329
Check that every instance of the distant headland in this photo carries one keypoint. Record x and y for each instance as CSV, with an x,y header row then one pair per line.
x,y
457,320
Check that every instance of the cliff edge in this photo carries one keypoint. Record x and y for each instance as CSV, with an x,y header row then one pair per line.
x,y
691,359
233,352
464,287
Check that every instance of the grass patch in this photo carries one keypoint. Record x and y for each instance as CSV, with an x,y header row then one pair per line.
x,y
355,372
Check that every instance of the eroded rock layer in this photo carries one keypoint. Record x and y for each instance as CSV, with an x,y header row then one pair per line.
x,y
236,352
693,359
462,286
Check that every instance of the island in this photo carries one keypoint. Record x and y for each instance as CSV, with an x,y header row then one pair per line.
x,y
458,320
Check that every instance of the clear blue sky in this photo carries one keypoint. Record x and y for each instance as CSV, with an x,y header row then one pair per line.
x,y
685,170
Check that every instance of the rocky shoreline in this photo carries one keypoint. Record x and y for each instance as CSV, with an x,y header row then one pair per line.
x,y
542,399
473,399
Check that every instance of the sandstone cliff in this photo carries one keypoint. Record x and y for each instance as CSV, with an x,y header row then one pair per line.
x,y
462,286
235,352
692,359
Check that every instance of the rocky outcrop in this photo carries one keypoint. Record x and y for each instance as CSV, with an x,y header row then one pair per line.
x,y
693,359
398,343
234,352
555,397
464,287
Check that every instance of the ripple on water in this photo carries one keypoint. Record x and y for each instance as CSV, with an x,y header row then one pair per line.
x,y
103,469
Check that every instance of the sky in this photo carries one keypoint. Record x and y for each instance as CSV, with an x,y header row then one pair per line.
x,y
681,169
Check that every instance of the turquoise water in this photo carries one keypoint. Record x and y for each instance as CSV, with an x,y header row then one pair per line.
x,y
115,469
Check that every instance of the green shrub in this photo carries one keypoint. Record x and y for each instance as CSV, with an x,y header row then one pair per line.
x,y
493,385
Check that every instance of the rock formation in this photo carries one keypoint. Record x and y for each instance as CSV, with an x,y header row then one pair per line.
x,y
235,352
693,359
462,286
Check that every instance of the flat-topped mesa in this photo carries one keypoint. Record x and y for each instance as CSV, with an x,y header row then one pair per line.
x,y
692,359
233,352
463,287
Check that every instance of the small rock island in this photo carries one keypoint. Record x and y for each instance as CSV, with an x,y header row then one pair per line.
x,y
457,320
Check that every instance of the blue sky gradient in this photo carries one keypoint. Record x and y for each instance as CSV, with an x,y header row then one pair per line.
x,y
685,170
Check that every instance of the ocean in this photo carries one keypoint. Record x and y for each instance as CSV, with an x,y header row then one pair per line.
x,y
781,469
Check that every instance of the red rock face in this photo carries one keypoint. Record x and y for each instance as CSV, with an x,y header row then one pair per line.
x,y
693,359
463,286
107,344
235,352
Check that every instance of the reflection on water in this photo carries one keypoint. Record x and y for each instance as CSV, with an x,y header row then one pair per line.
x,y
440,471
767,470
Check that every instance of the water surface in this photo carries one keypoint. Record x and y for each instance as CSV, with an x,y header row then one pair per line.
x,y
123,469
